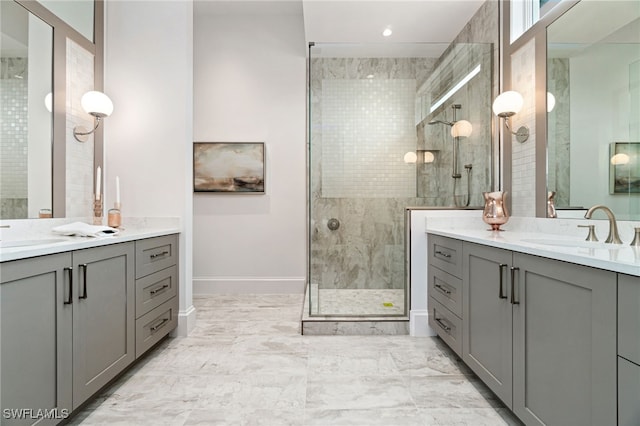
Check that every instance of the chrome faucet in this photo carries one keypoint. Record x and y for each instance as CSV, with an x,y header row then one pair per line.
x,y
613,236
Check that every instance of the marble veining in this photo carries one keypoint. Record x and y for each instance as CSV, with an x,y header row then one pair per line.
x,y
247,364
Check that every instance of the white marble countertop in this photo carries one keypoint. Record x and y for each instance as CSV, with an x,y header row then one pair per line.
x,y
38,229
613,257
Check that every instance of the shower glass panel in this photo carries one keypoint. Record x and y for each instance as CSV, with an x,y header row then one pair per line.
x,y
372,154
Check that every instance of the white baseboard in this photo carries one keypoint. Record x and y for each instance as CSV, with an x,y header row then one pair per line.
x,y
211,285
186,322
419,324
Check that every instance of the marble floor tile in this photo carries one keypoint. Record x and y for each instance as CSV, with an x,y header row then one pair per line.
x,y
251,366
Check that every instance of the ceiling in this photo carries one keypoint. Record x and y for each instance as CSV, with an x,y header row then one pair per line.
x,y
361,21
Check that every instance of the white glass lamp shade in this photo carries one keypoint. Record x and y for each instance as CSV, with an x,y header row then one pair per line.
x,y
429,157
551,102
461,128
97,104
620,159
507,104
410,157
48,102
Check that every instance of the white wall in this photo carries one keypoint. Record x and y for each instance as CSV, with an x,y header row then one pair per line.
x,y
600,87
148,138
250,86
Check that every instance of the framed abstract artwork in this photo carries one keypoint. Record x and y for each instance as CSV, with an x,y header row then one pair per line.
x,y
229,167
624,168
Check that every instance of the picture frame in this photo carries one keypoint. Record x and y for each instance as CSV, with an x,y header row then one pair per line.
x,y
624,168
229,167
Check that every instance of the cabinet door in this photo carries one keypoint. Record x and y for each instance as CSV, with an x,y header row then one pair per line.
x,y
564,341
103,317
35,353
486,342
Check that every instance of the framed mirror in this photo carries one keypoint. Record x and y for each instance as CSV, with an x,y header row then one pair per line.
x,y
593,108
26,132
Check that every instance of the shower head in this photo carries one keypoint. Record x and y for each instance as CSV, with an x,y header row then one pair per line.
x,y
432,122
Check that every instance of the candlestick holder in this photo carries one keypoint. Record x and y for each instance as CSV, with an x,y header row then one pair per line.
x,y
97,212
114,219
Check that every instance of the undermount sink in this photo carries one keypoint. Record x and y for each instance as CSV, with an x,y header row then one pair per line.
x,y
30,243
571,243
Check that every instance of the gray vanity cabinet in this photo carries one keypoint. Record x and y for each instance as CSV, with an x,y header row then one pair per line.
x,y
541,334
104,316
487,317
35,351
628,350
564,343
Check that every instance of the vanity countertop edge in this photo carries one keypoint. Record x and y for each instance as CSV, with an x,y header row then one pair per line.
x,y
79,243
624,259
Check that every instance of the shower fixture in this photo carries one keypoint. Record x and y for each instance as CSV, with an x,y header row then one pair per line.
x,y
448,123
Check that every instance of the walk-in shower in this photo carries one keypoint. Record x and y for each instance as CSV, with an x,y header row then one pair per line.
x,y
373,153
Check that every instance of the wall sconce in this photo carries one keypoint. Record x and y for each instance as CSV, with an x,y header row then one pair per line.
x,y
551,101
48,102
419,156
461,129
506,105
99,106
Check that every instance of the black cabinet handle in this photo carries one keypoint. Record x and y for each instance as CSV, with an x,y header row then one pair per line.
x,y
443,254
442,289
84,281
158,290
70,275
500,294
444,326
158,326
164,253
513,286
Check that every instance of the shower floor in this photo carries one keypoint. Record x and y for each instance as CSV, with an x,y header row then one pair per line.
x,y
356,302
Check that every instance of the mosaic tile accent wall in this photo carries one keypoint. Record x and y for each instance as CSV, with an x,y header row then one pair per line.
x,y
367,128
13,138
79,157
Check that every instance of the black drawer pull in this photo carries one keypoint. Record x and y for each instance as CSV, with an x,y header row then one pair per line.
x,y
513,286
444,326
442,289
164,253
84,281
500,294
70,299
159,325
158,290
443,254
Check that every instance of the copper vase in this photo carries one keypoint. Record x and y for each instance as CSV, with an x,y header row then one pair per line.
x,y
495,210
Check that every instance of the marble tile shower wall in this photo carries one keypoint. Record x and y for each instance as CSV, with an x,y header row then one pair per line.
x,y
558,146
367,251
79,155
13,138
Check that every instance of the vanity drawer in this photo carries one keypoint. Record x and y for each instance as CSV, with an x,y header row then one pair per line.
x,y
155,254
156,324
446,254
629,317
446,324
155,289
446,289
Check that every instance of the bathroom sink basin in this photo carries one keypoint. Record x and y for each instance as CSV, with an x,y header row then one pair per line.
x,y
30,243
570,243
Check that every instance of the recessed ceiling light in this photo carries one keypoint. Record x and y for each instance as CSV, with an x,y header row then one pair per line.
x,y
387,32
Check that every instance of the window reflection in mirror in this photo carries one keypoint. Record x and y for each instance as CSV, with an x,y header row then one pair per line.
x,y
593,74
77,13
26,120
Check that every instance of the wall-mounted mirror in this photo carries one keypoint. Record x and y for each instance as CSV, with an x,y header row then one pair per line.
x,y
26,126
593,104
